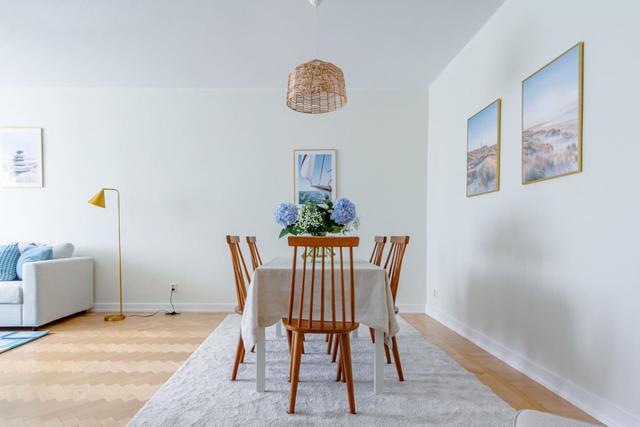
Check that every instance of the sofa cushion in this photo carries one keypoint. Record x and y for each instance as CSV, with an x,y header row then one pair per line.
x,y
11,292
62,250
33,253
8,260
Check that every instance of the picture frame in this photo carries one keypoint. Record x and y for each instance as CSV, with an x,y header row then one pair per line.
x,y
483,150
21,159
552,118
314,175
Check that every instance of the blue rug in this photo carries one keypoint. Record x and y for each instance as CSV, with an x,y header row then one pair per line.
x,y
9,339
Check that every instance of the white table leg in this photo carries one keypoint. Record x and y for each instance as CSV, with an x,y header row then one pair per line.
x,y
260,361
279,329
354,334
378,363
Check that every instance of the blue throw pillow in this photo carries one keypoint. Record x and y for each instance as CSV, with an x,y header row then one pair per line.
x,y
8,260
33,253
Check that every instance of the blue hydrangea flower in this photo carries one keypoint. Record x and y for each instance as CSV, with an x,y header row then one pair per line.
x,y
344,211
286,214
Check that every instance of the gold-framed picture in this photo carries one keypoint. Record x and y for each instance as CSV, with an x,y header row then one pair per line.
x,y
483,150
552,118
314,175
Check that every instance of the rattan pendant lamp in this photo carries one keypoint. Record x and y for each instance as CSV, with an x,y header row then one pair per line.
x,y
316,87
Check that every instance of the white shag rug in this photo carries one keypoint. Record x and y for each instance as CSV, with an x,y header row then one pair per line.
x,y
436,390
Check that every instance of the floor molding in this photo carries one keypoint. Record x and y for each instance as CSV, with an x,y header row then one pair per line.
x,y
412,308
206,307
180,307
599,408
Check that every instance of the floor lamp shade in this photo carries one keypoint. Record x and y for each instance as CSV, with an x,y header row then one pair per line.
x,y
98,200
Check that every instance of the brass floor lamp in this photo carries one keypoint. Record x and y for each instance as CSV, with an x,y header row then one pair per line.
x,y
98,200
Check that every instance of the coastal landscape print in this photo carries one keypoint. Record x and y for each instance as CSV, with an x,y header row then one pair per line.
x,y
483,151
20,157
314,175
552,119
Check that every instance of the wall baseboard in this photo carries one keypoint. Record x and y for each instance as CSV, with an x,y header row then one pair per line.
x,y
411,308
206,307
180,307
599,408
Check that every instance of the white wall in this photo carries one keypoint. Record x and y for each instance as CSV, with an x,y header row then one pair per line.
x,y
194,165
547,275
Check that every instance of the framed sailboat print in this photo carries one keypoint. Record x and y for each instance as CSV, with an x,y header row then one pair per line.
x,y
314,175
21,157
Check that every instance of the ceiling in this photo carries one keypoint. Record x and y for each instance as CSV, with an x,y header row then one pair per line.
x,y
379,44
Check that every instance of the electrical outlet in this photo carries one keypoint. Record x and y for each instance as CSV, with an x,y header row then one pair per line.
x,y
435,293
173,287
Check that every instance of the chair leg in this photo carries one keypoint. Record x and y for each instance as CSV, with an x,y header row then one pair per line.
x,y
289,341
236,360
329,342
243,353
396,359
326,337
387,354
372,332
339,367
297,339
334,353
345,345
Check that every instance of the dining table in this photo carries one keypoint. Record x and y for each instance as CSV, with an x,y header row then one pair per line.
x,y
267,303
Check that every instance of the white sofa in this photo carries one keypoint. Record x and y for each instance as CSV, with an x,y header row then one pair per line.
x,y
49,291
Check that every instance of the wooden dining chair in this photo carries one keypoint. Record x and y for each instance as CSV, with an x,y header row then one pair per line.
x,y
342,319
378,248
393,265
256,261
240,273
376,258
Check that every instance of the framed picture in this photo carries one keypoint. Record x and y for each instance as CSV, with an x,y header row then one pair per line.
x,y
314,175
483,150
552,118
21,157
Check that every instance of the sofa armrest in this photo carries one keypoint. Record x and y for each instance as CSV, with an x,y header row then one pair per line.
x,y
56,288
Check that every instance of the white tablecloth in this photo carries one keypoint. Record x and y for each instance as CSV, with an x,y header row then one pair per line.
x,y
268,296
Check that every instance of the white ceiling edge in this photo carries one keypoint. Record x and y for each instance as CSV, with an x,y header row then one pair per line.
x,y
379,44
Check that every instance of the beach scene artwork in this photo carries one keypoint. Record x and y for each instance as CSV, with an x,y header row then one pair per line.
x,y
552,119
483,151
20,157
315,175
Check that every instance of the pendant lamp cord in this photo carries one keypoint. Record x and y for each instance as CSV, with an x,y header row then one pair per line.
x,y
316,27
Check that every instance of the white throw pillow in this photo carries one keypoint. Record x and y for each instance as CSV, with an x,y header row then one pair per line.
x,y
62,250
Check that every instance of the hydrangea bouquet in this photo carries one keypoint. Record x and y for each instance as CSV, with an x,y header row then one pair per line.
x,y
317,219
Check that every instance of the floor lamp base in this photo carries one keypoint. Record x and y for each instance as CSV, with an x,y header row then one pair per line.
x,y
113,317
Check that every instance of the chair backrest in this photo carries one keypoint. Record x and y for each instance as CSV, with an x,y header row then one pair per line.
x,y
393,264
256,261
240,271
378,248
323,247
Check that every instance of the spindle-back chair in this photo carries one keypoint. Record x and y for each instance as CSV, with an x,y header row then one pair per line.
x,y
393,265
378,248
242,279
338,318
256,261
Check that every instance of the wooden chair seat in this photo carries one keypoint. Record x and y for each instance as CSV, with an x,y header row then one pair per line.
x,y
317,327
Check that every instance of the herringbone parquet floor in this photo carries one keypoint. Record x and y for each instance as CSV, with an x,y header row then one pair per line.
x,y
88,372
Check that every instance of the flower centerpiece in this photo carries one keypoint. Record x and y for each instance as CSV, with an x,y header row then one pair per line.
x,y
317,219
